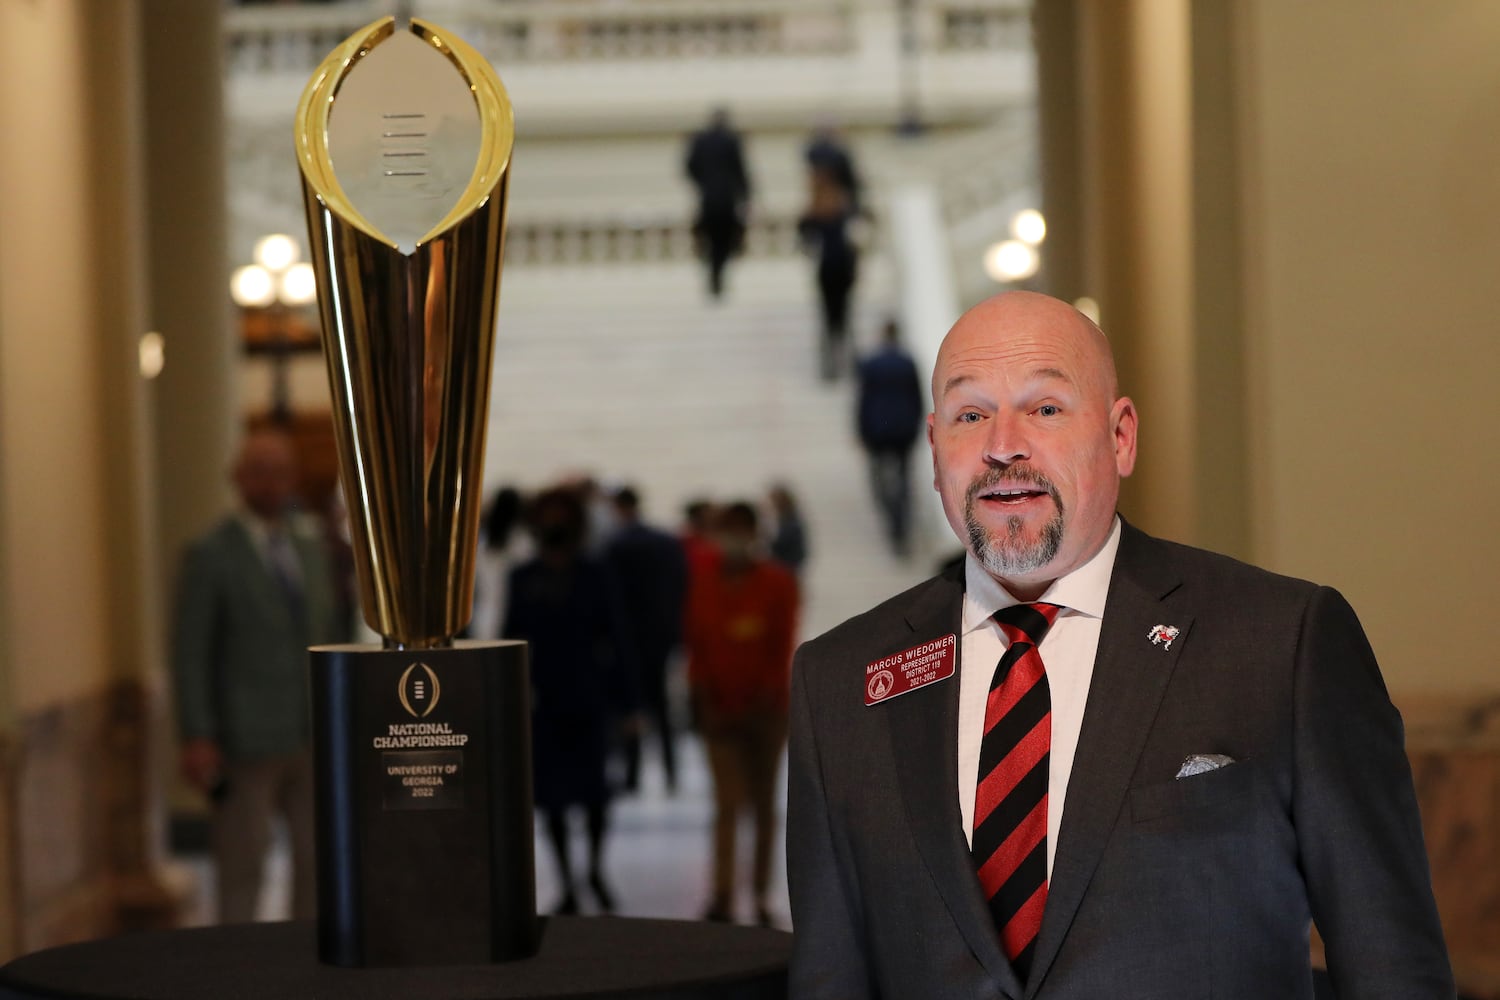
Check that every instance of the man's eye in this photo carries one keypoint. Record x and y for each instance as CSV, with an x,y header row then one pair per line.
x,y
1048,410
968,417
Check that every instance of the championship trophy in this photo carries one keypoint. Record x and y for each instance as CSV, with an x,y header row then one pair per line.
x,y
422,745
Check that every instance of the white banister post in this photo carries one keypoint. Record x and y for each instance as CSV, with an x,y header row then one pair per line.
x,y
929,305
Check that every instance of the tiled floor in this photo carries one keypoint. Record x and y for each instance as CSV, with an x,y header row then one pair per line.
x,y
658,854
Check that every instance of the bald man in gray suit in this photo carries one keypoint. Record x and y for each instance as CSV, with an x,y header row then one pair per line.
x,y
254,592
1089,764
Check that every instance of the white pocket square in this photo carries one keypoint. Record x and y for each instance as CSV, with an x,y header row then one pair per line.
x,y
1202,763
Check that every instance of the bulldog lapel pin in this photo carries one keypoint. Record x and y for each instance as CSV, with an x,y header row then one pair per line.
x,y
1162,635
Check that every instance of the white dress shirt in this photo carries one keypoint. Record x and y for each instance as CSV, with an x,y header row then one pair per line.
x,y
273,543
1067,652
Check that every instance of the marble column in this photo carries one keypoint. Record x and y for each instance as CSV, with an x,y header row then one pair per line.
x,y
196,397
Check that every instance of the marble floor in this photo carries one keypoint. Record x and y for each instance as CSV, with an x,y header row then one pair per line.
x,y
657,855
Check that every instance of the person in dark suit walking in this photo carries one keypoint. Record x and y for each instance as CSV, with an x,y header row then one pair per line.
x,y
826,231
788,542
889,410
651,569
1089,764
716,165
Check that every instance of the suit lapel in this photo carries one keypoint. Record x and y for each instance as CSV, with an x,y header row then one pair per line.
x,y
1130,676
924,735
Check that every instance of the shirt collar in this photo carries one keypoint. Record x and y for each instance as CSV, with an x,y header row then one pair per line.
x,y
1083,590
258,528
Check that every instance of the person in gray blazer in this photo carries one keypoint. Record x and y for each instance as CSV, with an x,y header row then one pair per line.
x,y
1088,764
253,593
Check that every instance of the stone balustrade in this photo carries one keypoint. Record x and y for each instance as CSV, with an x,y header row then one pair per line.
x,y
594,67
625,240
647,71
294,38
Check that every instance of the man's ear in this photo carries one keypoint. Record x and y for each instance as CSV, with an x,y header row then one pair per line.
x,y
932,448
1123,423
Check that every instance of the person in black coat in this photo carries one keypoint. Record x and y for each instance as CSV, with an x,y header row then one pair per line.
x,y
567,605
890,413
651,568
788,544
827,152
716,164
825,232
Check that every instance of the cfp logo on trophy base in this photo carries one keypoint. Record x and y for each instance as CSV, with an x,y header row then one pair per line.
x,y
419,690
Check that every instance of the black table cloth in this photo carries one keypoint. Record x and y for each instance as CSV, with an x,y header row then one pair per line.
x,y
579,957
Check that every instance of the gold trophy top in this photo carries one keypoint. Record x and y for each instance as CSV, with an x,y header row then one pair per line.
x,y
408,287
496,122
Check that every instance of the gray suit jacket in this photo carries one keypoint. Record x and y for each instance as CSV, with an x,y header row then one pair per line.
x,y
239,657
1162,889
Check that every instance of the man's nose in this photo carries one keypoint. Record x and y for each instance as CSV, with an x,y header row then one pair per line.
x,y
1007,441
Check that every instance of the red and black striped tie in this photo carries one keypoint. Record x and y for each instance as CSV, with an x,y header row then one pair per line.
x,y
1010,803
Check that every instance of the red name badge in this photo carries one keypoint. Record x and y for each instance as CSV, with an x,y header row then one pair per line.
x,y
910,669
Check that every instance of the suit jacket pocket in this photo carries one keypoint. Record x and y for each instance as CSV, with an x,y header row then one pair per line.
x,y
1200,793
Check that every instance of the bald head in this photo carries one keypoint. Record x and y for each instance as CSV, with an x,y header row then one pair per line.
x,y
265,472
1030,438
1011,321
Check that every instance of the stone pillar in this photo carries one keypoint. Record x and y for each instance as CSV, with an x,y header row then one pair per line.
x,y
1055,35
1220,365
196,397
1114,87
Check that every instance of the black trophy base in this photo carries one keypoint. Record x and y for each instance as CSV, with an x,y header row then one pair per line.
x,y
424,816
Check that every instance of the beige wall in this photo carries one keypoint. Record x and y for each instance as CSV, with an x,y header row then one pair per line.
x,y
1372,212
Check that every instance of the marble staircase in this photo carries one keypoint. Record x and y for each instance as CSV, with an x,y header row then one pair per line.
x,y
634,374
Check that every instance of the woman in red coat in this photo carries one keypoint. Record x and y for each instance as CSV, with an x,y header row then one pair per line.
x,y
741,625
